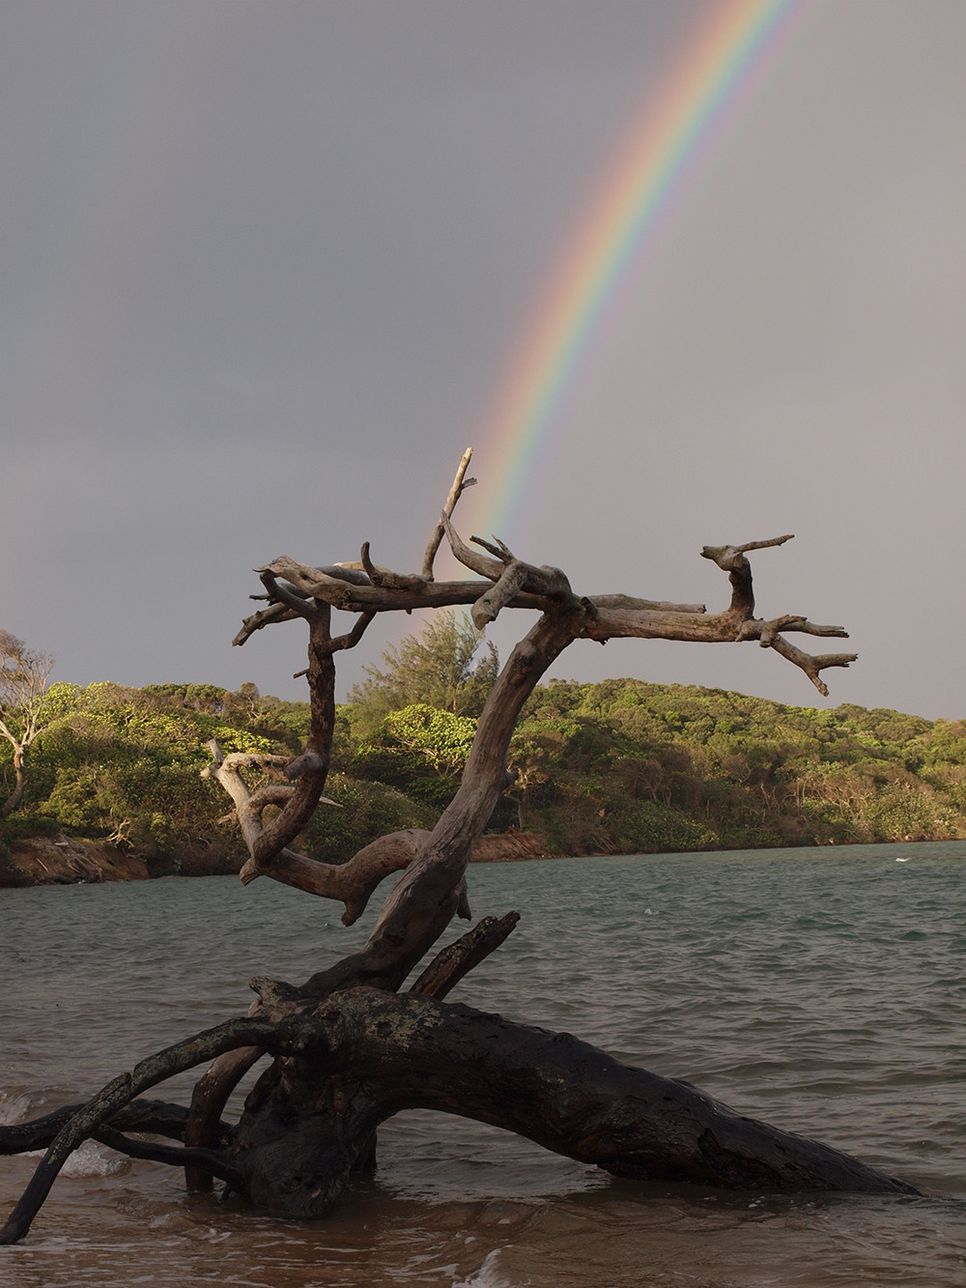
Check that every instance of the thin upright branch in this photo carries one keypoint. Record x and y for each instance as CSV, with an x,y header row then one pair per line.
x,y
460,484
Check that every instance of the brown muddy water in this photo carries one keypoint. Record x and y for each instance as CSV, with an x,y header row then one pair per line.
x,y
823,990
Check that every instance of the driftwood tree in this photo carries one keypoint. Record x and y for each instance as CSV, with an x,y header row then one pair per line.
x,y
347,1048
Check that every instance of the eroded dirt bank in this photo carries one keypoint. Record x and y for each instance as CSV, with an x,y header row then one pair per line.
x,y
62,860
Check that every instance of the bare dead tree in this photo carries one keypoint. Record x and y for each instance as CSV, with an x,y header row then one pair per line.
x,y
348,1049
24,675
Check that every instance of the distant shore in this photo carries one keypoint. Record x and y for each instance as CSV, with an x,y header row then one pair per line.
x,y
63,860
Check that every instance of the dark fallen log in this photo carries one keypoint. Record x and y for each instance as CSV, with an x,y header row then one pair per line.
x,y
384,1053
359,1057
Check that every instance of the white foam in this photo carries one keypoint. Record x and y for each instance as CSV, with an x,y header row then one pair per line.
x,y
13,1108
91,1159
488,1276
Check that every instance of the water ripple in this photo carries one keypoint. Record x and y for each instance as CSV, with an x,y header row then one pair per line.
x,y
822,990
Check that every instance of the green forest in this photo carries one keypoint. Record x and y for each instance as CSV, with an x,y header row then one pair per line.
x,y
620,766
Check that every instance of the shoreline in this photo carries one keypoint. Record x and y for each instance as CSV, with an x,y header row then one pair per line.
x,y
63,860
30,862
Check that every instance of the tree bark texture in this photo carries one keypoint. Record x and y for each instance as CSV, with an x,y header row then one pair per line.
x,y
385,1053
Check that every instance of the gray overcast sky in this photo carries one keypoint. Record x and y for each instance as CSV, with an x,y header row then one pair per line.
x,y
263,265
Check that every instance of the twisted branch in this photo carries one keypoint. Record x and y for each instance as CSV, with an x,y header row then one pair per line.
x,y
350,883
119,1092
156,1117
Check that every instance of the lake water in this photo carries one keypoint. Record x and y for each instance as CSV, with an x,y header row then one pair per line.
x,y
823,990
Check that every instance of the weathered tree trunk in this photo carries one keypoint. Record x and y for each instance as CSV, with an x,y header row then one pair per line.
x,y
347,1050
19,782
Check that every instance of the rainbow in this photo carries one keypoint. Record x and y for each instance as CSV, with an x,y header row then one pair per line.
x,y
612,235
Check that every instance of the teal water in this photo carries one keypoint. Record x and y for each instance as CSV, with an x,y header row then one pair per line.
x,y
823,990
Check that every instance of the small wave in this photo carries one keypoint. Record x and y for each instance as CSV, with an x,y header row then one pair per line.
x,y
488,1276
89,1159
14,1107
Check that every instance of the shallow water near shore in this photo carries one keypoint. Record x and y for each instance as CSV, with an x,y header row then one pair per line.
x,y
823,990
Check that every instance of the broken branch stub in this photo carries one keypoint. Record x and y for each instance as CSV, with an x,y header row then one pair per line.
x,y
460,484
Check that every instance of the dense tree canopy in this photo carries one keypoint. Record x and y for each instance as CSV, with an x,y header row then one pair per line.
x,y
620,766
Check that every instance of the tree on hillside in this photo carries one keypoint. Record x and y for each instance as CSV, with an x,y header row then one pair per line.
x,y
346,1049
438,667
24,677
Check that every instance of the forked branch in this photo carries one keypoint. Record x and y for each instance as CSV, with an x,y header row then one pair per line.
x,y
811,665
